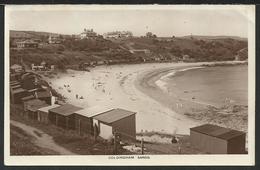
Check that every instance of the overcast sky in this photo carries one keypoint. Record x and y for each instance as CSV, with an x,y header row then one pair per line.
x,y
161,22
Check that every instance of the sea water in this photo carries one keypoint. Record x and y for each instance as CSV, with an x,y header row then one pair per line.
x,y
216,85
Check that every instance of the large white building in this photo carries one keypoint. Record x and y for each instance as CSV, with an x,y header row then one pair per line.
x,y
118,34
88,33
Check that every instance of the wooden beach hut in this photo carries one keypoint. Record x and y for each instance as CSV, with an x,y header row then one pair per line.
x,y
217,140
31,107
43,113
63,116
121,121
84,119
17,95
44,95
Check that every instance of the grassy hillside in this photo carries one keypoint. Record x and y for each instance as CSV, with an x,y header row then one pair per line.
x,y
73,51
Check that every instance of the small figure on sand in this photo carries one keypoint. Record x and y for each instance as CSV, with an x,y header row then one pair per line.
x,y
77,96
81,97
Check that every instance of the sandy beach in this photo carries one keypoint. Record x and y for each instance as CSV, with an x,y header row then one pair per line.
x,y
121,86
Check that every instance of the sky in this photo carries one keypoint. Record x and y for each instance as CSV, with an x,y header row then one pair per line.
x,y
163,23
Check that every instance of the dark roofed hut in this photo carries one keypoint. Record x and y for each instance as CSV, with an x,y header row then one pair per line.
x,y
217,140
119,120
63,116
31,107
44,95
43,113
17,95
84,119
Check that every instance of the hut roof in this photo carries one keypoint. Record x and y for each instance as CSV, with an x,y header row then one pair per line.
x,y
15,86
18,90
93,111
12,83
217,131
66,109
47,108
27,98
113,115
43,94
35,104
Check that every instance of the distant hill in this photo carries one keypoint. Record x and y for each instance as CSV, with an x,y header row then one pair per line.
x,y
32,34
130,50
215,37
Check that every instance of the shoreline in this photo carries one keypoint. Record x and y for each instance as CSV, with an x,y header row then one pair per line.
x,y
148,84
117,86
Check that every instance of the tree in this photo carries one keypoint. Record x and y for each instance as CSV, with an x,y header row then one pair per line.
x,y
149,34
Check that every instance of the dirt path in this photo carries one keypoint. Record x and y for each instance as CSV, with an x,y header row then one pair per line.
x,y
42,139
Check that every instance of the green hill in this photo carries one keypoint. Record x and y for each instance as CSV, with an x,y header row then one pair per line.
x,y
74,52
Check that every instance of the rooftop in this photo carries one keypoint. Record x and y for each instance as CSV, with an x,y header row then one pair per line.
x,y
15,86
93,111
27,97
35,104
47,108
217,131
113,115
66,109
18,90
43,94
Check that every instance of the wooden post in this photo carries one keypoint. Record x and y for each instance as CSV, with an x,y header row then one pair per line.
x,y
79,126
142,145
67,123
95,133
115,143
179,150
56,120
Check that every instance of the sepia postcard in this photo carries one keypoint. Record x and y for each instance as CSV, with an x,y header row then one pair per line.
x,y
129,85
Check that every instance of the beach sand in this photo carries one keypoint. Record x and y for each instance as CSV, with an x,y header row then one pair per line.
x,y
122,86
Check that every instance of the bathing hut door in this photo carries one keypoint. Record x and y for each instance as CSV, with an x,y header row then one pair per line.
x,y
105,131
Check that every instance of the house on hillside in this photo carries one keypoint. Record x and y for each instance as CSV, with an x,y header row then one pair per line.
x,y
88,34
217,140
16,68
37,67
185,57
54,39
121,121
27,44
63,116
118,34
31,107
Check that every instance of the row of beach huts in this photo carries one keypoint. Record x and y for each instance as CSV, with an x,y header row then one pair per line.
x,y
39,104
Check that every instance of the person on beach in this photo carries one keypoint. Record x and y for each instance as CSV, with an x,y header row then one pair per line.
x,y
77,96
